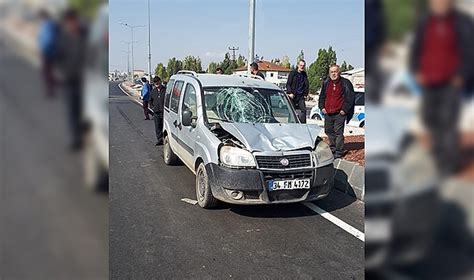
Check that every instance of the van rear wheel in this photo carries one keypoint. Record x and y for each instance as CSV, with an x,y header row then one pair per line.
x,y
204,195
168,155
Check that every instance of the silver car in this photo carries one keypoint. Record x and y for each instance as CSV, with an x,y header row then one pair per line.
x,y
244,141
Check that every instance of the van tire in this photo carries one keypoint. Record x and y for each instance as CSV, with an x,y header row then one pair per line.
x,y
204,195
169,156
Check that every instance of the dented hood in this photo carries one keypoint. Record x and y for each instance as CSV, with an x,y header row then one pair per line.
x,y
262,137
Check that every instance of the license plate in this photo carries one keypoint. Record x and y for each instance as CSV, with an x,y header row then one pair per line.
x,y
289,184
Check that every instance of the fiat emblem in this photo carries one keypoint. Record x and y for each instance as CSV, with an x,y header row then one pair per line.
x,y
284,161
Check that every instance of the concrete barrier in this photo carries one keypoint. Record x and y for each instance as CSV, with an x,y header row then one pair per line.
x,y
350,178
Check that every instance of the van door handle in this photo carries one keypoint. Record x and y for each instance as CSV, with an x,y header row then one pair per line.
x,y
176,124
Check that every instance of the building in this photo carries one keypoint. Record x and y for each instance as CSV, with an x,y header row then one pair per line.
x,y
138,73
356,76
273,72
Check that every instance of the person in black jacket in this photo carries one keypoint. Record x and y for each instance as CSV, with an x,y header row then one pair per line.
x,y
297,86
157,101
442,63
336,101
254,70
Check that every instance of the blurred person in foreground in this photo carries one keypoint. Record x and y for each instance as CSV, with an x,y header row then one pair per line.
x,y
47,41
336,101
71,62
146,89
441,62
157,102
297,86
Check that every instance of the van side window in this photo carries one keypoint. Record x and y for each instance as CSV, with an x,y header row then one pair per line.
x,y
169,88
189,100
175,95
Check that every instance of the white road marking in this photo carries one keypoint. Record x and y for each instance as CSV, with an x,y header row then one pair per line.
x,y
190,201
338,222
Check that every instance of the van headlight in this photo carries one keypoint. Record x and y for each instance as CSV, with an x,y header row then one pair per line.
x,y
235,157
323,153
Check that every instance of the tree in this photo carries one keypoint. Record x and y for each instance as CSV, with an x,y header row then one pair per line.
x,y
212,68
160,71
319,69
300,57
192,63
345,67
174,65
241,61
285,62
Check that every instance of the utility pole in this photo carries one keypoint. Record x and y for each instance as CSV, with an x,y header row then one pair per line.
x,y
131,29
251,33
128,63
233,49
149,42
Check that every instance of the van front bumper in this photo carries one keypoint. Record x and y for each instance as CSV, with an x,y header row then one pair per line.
x,y
249,186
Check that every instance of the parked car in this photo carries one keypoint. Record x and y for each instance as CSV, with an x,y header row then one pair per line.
x,y
357,120
243,148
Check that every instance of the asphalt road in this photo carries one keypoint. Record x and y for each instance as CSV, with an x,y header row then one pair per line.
x,y
50,226
153,234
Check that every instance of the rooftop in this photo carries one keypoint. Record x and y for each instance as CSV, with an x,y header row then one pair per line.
x,y
266,66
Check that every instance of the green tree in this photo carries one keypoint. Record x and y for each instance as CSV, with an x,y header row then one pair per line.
x,y
160,71
318,70
192,63
226,64
300,56
174,65
86,8
241,61
212,68
285,62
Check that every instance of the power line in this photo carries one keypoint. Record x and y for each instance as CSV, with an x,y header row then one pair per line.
x,y
233,49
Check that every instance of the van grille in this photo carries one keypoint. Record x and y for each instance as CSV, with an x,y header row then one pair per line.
x,y
274,162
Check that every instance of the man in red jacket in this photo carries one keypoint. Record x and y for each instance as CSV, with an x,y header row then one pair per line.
x,y
442,62
336,101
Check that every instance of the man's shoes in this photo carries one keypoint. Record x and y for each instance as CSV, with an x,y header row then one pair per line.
x,y
159,143
147,119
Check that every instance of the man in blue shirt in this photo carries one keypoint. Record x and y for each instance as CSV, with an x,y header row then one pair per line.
x,y
146,89
47,42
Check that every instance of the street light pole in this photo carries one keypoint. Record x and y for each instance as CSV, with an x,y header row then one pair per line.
x,y
128,62
149,42
251,34
131,29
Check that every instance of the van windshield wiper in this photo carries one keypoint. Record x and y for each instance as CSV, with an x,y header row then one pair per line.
x,y
217,119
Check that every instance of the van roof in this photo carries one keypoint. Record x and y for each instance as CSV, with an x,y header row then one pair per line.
x,y
214,80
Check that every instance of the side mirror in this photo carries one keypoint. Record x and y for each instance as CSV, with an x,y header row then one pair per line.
x,y
187,118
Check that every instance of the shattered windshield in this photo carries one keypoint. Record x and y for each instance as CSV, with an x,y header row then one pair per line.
x,y
247,105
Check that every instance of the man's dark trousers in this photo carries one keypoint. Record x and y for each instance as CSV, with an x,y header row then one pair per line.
x,y
146,110
334,129
158,119
299,103
441,110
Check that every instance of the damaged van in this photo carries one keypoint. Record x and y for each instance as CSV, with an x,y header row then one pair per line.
x,y
244,141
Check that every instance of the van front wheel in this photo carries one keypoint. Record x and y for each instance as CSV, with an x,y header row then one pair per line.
x,y
168,155
203,190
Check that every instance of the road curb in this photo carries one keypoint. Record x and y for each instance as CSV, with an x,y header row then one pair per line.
x,y
349,178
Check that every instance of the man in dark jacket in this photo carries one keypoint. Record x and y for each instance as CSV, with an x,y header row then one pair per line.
x,y
297,86
254,70
157,101
442,62
336,101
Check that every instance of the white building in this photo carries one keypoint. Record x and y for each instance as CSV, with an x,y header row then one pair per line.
x,y
273,72
356,76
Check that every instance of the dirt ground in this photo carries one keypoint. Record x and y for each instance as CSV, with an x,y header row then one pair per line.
x,y
354,145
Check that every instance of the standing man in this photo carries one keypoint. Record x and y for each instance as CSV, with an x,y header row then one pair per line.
x,y
48,41
71,59
254,70
336,101
297,87
146,89
157,101
442,62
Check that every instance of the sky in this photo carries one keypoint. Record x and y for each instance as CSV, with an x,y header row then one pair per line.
x,y
207,28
